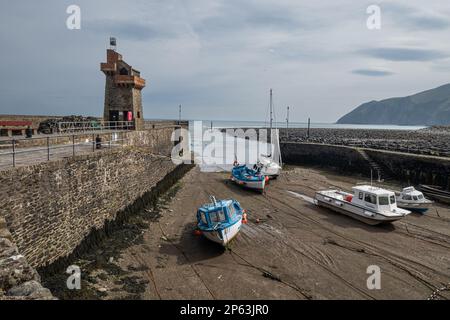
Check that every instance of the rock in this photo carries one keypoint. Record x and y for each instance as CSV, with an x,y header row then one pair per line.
x,y
4,233
2,223
26,289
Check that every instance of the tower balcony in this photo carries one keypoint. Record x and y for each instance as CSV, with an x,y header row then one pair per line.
x,y
125,80
108,67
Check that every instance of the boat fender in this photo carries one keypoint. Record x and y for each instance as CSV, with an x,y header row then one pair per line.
x,y
197,232
349,198
244,217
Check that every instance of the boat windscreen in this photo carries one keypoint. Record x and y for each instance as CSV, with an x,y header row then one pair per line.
x,y
392,199
203,217
231,211
383,200
217,216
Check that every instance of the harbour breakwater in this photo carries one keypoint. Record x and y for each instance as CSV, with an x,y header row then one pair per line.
x,y
53,209
404,167
430,141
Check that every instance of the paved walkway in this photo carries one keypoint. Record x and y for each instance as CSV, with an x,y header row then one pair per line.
x,y
34,155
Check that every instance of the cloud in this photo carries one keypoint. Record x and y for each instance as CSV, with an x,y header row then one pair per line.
x,y
129,29
372,72
415,18
220,57
404,54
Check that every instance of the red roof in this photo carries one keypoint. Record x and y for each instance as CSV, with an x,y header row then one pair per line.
x,y
15,123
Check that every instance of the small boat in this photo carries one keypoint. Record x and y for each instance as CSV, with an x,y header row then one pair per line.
x,y
249,178
413,200
371,205
270,165
220,221
436,193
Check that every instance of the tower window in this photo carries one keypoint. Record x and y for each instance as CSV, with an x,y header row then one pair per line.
x,y
123,72
139,114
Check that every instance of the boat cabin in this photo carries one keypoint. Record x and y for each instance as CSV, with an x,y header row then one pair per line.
x,y
411,194
213,215
374,198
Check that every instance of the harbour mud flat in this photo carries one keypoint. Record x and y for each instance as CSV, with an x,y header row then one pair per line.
x,y
290,249
430,141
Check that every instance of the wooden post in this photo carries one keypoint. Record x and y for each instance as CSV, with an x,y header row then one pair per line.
x,y
14,152
48,148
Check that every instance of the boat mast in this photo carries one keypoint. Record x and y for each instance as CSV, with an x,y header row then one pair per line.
x,y
271,117
271,109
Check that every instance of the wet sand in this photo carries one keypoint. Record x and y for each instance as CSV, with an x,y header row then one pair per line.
x,y
290,249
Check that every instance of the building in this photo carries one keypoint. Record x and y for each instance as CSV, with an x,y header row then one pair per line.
x,y
15,128
123,99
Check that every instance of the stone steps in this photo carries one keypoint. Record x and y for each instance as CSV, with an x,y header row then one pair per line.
x,y
380,175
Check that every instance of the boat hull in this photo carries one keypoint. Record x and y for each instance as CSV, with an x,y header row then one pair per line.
x,y
223,236
419,207
255,185
361,214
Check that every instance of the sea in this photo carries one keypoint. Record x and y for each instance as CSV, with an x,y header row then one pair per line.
x,y
318,125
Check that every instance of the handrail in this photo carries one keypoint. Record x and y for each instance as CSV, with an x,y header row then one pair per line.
x,y
114,141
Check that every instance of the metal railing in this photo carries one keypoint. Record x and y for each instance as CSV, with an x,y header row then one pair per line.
x,y
97,126
49,148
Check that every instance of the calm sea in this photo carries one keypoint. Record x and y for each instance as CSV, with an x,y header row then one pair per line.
x,y
261,124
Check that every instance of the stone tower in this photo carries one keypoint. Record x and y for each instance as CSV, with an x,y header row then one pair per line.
x,y
123,100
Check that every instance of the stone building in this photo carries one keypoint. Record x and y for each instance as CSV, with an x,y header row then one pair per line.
x,y
123,100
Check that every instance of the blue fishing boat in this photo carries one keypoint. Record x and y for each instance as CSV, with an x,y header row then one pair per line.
x,y
249,178
220,221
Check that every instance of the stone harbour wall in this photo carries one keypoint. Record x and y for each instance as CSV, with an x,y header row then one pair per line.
x,y
51,207
18,280
340,158
410,169
51,210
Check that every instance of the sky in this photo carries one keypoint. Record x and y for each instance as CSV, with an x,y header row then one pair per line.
x,y
219,58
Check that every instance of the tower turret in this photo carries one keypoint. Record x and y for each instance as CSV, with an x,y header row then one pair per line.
x,y
123,99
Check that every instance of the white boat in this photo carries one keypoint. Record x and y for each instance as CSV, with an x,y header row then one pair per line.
x,y
371,205
270,165
412,199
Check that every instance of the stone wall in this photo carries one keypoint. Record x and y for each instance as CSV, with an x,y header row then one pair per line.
x,y
344,159
18,280
407,168
157,140
414,169
51,207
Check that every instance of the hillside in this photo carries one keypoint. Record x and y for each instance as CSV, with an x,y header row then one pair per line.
x,y
431,107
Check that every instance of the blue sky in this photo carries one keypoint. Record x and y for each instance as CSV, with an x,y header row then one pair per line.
x,y
220,58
